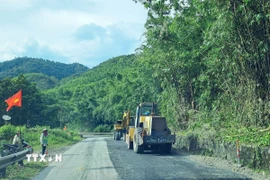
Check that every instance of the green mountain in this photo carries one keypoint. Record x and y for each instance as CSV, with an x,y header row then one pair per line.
x,y
96,97
44,73
101,95
42,81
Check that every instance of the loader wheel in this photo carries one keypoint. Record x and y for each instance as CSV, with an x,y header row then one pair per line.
x,y
130,144
118,136
136,147
167,148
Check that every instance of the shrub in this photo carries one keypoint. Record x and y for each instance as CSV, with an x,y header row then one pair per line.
x,y
103,128
7,132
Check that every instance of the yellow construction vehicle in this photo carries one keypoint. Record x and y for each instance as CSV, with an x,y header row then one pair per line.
x,y
151,131
129,124
125,128
118,130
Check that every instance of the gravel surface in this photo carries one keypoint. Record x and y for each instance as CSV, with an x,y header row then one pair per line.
x,y
155,166
224,164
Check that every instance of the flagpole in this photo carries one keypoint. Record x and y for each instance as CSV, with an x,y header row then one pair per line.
x,y
20,144
21,120
21,111
20,128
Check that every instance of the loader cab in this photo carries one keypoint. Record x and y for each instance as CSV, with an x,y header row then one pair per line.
x,y
145,109
119,122
118,125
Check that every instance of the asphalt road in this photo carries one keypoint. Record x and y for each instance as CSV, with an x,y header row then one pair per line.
x,y
102,158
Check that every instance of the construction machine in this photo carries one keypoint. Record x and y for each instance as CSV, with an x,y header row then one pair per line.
x,y
118,130
129,122
151,131
125,128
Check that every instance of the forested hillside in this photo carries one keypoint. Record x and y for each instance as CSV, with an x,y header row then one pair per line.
x,y
97,97
101,95
44,73
212,59
42,81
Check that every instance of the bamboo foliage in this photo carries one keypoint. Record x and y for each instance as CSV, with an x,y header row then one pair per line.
x,y
213,56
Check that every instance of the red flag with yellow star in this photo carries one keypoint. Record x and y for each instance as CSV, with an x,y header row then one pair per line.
x,y
15,100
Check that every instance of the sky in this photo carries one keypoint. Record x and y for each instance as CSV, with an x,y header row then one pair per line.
x,y
84,31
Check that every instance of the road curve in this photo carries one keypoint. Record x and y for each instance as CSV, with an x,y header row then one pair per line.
x,y
102,158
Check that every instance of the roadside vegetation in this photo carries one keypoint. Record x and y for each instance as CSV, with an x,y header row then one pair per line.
x,y
57,138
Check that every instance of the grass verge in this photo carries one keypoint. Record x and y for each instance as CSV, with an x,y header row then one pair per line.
x,y
58,138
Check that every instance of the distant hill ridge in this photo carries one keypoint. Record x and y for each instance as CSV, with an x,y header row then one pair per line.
x,y
26,65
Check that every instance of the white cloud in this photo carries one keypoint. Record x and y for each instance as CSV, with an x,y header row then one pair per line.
x,y
84,31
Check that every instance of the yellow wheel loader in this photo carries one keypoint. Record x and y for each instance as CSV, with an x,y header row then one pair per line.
x,y
121,126
151,131
118,130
